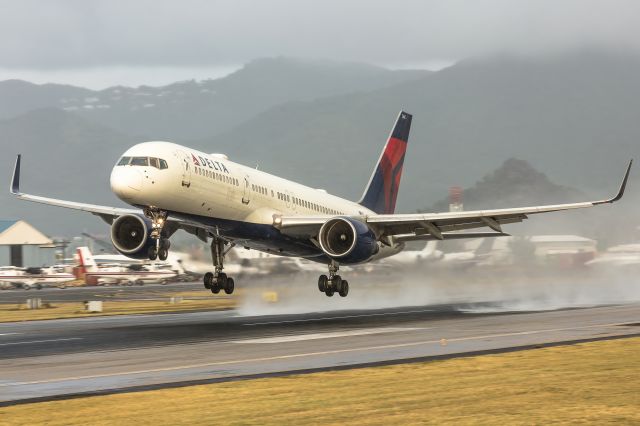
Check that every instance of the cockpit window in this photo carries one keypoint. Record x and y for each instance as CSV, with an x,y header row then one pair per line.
x,y
140,161
158,163
124,161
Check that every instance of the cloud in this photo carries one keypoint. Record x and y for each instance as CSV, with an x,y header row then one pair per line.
x,y
197,33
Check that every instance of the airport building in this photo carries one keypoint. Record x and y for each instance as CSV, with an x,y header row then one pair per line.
x,y
23,245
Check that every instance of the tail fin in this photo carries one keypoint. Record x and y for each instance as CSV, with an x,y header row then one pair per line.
x,y
382,190
85,259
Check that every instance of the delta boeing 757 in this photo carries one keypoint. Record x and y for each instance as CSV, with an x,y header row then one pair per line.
x,y
174,187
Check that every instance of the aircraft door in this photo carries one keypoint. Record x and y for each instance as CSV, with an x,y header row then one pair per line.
x,y
186,168
246,194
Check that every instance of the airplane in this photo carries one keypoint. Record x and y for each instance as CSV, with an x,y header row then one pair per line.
x,y
116,273
28,278
175,187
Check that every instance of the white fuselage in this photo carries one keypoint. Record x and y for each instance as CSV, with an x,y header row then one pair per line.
x,y
50,275
208,187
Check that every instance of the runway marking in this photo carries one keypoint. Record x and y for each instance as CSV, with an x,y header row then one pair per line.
x,y
8,334
40,341
308,354
328,335
341,317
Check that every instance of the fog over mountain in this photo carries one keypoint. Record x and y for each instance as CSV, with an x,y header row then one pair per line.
x,y
571,116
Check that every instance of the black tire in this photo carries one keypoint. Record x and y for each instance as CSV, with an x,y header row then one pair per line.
x,y
336,283
322,283
344,288
163,253
153,253
222,280
329,292
165,244
207,280
215,288
231,284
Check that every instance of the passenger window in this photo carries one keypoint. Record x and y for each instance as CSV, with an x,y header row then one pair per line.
x,y
124,161
140,161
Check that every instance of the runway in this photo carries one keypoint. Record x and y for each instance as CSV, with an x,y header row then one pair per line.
x,y
64,357
79,294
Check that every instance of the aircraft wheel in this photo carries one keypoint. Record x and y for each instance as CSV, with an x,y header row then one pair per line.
x,y
228,288
344,288
163,253
222,280
336,282
165,243
322,283
329,292
215,288
208,279
153,253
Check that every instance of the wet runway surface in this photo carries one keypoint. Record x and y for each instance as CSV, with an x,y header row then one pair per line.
x,y
62,357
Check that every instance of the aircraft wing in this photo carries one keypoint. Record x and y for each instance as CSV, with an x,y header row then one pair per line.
x,y
440,226
105,212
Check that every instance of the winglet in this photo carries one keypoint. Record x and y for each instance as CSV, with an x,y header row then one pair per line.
x,y
622,187
15,182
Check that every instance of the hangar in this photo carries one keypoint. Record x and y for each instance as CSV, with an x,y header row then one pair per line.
x,y
21,244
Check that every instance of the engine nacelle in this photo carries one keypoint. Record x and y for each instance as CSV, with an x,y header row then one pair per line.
x,y
131,235
347,240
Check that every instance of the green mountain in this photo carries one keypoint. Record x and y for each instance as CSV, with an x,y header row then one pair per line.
x,y
195,109
64,156
514,183
574,116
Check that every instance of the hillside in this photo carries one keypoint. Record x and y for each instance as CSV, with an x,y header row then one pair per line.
x,y
195,109
574,116
64,156
514,183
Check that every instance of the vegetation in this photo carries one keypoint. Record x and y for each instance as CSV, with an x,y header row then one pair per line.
x,y
161,303
593,383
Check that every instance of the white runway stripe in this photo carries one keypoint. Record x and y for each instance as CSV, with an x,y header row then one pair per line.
x,y
40,341
328,335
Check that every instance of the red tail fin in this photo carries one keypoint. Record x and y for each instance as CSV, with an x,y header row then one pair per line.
x,y
382,191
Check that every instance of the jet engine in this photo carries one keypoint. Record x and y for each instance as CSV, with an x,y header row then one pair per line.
x,y
347,240
131,235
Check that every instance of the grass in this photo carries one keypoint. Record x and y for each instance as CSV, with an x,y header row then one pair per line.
x,y
14,312
592,383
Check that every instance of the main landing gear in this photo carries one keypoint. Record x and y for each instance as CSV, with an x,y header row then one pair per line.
x,y
218,280
333,283
159,250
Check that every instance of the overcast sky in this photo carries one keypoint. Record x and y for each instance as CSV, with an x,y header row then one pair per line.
x,y
100,43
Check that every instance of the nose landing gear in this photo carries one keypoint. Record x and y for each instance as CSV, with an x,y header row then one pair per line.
x,y
218,280
160,250
333,283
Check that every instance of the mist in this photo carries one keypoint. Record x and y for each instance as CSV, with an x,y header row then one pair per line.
x,y
82,35
475,290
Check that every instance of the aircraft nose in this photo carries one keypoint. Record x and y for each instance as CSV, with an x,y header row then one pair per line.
x,y
126,181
